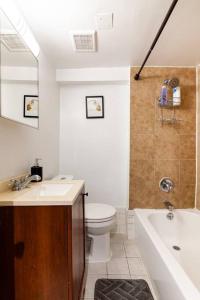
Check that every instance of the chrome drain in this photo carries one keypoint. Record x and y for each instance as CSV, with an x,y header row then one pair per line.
x,y
177,248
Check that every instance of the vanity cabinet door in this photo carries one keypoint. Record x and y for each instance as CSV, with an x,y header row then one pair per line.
x,y
40,253
76,249
7,281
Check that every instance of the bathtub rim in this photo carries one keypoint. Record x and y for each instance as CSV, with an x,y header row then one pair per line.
x,y
174,268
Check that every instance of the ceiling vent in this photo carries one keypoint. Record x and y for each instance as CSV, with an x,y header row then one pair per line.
x,y
13,42
84,41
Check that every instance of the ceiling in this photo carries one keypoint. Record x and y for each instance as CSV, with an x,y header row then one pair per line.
x,y
136,23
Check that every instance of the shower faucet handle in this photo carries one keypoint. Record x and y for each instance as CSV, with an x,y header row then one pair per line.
x,y
166,185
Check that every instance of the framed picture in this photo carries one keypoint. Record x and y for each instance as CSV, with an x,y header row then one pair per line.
x,y
31,106
94,107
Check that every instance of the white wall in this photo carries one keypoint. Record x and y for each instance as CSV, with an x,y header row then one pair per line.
x,y
96,150
20,145
92,75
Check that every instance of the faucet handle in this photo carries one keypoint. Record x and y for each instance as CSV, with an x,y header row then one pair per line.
x,y
11,182
15,184
166,185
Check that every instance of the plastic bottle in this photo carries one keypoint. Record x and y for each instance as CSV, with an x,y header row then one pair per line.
x,y
176,96
163,95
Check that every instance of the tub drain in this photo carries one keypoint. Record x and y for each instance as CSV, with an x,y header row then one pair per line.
x,y
177,248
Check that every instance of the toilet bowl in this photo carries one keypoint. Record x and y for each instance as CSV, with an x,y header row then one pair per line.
x,y
100,219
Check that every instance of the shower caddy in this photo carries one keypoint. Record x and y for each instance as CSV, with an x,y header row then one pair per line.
x,y
169,104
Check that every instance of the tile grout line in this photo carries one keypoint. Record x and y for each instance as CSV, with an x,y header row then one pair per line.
x,y
107,269
127,259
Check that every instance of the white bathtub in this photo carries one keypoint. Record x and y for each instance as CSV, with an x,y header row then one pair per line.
x,y
175,274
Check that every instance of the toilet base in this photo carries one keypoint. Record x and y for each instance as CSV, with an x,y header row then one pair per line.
x,y
100,248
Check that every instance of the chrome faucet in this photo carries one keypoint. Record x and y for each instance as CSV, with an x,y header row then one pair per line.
x,y
22,183
170,207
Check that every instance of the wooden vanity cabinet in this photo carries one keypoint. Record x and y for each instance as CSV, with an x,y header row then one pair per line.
x,y
42,252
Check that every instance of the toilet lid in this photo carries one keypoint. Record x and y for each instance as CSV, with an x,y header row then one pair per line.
x,y
99,211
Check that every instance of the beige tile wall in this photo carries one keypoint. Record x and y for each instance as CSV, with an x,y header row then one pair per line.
x,y
162,150
198,142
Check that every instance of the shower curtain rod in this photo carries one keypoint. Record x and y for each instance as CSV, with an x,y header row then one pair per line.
x,y
137,75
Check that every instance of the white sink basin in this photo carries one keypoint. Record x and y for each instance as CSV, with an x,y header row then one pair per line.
x,y
54,189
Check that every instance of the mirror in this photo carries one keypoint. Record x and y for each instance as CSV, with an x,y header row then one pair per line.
x,y
19,77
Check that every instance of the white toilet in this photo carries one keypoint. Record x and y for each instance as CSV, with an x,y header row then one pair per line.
x,y
100,219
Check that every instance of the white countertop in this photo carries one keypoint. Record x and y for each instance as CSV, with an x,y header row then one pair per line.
x,y
32,196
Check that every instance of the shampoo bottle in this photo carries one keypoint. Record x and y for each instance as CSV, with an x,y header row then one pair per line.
x,y
176,96
163,96
37,169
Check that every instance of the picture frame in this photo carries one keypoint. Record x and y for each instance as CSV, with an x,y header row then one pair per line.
x,y
94,107
31,106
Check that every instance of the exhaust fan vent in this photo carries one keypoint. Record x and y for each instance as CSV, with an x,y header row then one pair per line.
x,y
84,41
12,42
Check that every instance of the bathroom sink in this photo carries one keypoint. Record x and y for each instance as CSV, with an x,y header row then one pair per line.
x,y
54,189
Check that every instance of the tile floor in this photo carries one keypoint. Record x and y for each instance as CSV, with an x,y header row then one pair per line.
x,y
126,262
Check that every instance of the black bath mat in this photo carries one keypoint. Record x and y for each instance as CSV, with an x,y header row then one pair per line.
x,y
122,289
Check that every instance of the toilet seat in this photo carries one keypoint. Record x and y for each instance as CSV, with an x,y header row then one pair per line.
x,y
98,221
99,212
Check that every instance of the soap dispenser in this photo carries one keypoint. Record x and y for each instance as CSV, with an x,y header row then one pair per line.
x,y
37,169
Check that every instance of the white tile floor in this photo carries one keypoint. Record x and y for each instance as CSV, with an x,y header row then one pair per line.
x,y
126,262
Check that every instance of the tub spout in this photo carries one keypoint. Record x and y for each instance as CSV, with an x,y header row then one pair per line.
x,y
170,207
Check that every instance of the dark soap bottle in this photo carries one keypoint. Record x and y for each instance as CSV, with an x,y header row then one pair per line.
x,y
37,169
